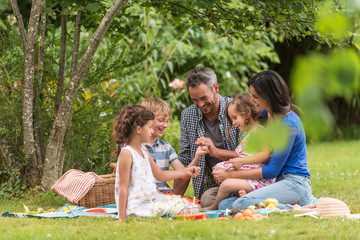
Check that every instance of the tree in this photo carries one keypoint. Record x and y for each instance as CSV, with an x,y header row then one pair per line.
x,y
52,162
265,21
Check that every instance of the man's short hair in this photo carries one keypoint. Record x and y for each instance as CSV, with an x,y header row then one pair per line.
x,y
200,75
157,106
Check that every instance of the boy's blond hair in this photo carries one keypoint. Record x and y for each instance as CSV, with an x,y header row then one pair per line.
x,y
157,106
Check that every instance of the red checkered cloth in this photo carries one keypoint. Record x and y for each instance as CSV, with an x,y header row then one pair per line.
x,y
74,184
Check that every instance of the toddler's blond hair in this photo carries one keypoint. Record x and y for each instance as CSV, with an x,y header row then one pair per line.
x,y
157,106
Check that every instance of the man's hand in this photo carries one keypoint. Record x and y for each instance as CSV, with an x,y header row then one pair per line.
x,y
193,171
203,141
236,163
220,174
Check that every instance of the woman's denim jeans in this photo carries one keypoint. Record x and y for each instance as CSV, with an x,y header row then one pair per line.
x,y
288,189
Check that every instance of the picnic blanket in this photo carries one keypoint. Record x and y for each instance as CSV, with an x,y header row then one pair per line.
x,y
71,211
74,184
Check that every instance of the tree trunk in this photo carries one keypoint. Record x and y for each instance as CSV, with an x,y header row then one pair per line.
x,y
76,43
39,141
60,84
19,21
74,62
56,139
28,84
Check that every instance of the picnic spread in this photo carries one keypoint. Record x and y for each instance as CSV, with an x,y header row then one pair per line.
x,y
92,195
67,211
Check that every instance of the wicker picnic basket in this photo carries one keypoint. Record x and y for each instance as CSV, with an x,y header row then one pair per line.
x,y
102,193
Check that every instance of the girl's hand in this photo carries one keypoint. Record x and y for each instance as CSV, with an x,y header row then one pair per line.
x,y
201,150
193,171
236,162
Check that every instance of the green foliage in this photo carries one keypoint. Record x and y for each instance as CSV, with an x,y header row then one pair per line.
x,y
320,77
274,136
14,185
245,20
172,133
12,162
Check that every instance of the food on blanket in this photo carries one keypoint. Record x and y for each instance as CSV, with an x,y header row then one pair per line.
x,y
234,211
271,200
260,205
251,207
96,210
270,206
257,216
199,216
247,213
189,217
239,216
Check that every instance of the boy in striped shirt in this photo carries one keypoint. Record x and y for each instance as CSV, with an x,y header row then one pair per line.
x,y
161,151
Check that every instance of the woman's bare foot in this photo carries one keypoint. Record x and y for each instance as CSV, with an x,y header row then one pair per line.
x,y
242,193
307,208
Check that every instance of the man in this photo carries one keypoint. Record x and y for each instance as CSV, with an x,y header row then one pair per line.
x,y
204,124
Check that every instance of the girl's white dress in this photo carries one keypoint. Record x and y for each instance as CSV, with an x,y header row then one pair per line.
x,y
143,198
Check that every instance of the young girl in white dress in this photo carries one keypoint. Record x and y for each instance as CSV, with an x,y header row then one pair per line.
x,y
135,188
242,113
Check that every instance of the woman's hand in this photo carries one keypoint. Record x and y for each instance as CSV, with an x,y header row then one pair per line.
x,y
220,174
236,163
192,171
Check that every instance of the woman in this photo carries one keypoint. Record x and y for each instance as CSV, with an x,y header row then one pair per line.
x,y
269,92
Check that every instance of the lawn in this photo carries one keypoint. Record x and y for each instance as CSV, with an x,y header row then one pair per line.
x,y
334,168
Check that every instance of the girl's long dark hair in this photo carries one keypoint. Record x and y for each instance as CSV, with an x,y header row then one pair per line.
x,y
126,122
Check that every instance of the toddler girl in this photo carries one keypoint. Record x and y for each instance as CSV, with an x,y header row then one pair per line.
x,y
242,114
135,189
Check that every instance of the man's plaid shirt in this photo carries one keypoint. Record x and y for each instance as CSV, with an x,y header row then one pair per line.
x,y
192,127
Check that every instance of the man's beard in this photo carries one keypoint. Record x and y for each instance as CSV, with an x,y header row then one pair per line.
x,y
213,105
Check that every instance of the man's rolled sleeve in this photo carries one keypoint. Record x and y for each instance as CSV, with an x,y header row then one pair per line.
x,y
184,142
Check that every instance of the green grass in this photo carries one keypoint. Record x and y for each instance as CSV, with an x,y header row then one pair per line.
x,y
334,174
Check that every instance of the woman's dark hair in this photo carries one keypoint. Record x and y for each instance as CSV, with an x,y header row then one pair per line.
x,y
126,122
242,103
270,85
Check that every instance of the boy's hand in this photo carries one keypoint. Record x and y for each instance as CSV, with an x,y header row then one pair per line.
x,y
236,162
193,171
201,150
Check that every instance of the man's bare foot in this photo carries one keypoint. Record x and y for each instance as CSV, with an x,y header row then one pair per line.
x,y
207,208
242,193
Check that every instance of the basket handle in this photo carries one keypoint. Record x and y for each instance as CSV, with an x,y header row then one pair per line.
x,y
113,166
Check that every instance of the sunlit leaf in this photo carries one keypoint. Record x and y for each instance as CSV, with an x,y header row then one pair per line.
x,y
331,21
93,7
274,136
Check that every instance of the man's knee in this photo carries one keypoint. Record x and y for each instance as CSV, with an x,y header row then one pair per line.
x,y
208,197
